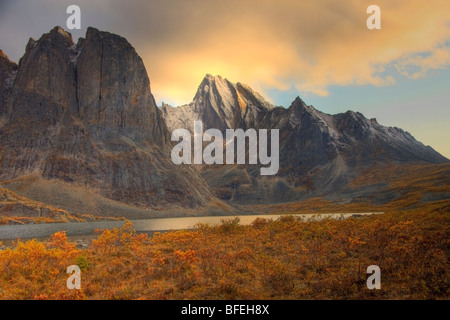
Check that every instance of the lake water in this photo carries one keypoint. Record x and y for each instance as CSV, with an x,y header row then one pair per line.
x,y
79,229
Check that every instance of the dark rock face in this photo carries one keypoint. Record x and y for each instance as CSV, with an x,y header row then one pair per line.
x,y
114,90
85,114
8,71
43,90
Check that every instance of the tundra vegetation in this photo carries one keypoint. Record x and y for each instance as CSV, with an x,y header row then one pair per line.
x,y
282,259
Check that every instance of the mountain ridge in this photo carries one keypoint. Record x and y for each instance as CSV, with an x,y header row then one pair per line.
x,y
319,153
82,117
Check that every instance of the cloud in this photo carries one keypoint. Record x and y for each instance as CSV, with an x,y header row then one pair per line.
x,y
416,66
307,45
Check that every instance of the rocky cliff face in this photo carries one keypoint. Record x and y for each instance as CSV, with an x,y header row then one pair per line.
x,y
85,114
8,71
319,153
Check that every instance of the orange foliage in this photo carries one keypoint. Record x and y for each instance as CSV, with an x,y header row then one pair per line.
x,y
282,259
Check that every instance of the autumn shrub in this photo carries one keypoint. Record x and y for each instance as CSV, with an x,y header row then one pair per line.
x,y
282,259
229,225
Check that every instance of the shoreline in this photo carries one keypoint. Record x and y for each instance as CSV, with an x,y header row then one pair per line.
x,y
77,230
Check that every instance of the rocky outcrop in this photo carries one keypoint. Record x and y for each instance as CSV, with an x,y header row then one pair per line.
x,y
12,205
84,114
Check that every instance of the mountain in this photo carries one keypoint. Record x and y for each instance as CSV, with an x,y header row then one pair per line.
x,y
219,104
83,115
320,154
81,135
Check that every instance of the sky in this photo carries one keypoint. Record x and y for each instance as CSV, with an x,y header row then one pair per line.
x,y
320,50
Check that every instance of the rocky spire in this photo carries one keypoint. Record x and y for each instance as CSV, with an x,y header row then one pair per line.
x,y
84,114
113,89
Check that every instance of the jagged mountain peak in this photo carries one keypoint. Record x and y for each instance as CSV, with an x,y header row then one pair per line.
x,y
31,44
205,84
219,103
222,104
298,102
298,105
58,34
228,92
211,77
213,85
319,152
94,34
4,56
56,42
6,65
319,155
92,31
59,30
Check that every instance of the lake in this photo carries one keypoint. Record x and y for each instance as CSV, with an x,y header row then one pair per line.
x,y
73,229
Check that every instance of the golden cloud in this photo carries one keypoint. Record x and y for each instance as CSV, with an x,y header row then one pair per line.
x,y
310,45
